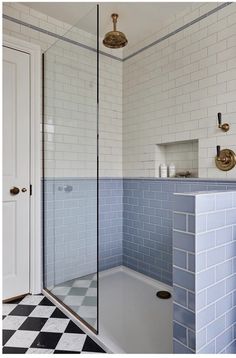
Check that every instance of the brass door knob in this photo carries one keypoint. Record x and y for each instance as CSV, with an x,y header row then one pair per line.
x,y
23,190
14,190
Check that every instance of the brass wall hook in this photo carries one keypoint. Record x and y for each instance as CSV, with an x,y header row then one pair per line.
x,y
225,126
225,159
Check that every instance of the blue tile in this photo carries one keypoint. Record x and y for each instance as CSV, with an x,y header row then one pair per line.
x,y
223,305
184,203
201,339
191,301
200,263
201,223
215,256
180,333
205,203
184,316
180,258
230,283
231,348
215,292
223,270
230,216
184,279
223,340
215,328
183,241
224,201
231,317
208,349
179,348
180,295
191,262
191,223
224,235
216,220
205,241
230,250
191,340
205,316
179,221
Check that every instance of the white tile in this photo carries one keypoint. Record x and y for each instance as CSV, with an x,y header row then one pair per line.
x,y
13,322
55,325
71,342
7,308
39,351
22,339
42,311
31,300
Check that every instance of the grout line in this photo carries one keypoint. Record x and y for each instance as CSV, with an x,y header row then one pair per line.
x,y
60,37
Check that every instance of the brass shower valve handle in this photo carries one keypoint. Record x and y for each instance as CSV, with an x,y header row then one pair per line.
x,y
225,126
225,159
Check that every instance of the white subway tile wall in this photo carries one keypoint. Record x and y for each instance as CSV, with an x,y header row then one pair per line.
x,y
70,89
174,90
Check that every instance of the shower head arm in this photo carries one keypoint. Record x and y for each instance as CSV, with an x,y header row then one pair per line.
x,y
114,19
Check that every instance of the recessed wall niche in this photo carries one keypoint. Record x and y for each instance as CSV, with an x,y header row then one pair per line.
x,y
184,155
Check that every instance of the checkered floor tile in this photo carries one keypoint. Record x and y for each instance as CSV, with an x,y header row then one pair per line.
x,y
35,325
80,295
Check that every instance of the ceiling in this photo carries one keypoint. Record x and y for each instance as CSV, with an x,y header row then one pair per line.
x,y
137,20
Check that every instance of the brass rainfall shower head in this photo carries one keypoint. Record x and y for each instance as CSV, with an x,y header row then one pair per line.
x,y
115,39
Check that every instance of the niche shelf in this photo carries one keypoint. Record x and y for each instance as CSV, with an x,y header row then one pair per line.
x,y
184,154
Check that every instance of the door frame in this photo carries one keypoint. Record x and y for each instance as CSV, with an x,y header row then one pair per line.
x,y
35,242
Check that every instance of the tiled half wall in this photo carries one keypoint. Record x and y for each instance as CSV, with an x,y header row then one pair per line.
x,y
204,272
135,224
147,222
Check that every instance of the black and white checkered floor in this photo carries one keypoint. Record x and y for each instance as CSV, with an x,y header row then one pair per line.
x,y
35,325
81,296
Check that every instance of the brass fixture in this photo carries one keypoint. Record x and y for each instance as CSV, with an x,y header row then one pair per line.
x,y
115,39
225,159
224,126
14,190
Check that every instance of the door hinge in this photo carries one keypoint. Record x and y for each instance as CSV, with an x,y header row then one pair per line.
x,y
30,189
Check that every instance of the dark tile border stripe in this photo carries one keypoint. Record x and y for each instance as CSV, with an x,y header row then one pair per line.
x,y
60,37
163,38
178,30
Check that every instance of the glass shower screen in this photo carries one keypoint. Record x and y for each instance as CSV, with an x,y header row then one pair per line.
x,y
70,169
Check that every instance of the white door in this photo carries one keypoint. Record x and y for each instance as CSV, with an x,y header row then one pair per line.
x,y
16,169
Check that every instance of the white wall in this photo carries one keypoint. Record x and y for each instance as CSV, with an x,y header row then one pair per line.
x,y
70,88
173,91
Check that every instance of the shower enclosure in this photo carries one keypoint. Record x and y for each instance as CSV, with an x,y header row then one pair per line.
x,y
70,169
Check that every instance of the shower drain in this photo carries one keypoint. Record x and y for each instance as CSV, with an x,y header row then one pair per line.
x,y
163,294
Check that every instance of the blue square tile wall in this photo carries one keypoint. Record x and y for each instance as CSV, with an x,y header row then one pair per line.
x,y
204,275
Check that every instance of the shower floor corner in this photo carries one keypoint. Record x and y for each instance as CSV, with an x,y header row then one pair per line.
x,y
131,318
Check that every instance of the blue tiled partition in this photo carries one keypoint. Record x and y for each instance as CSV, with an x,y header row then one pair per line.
x,y
204,272
148,221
